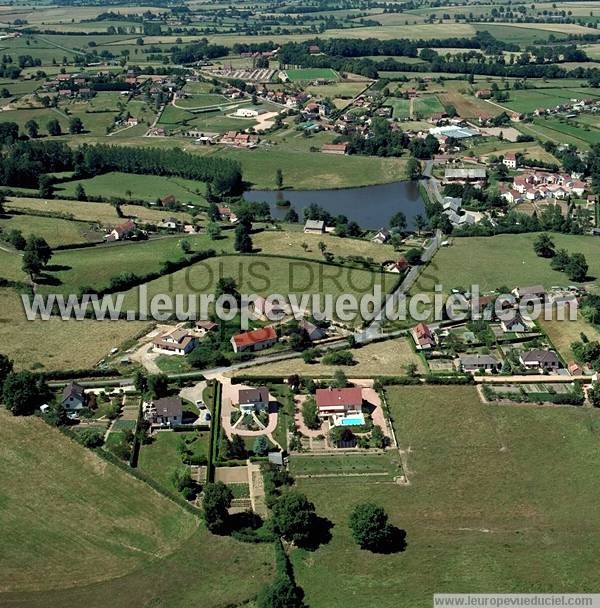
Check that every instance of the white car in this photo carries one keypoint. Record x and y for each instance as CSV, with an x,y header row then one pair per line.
x,y
200,404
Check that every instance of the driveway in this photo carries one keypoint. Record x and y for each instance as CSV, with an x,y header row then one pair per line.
x,y
229,396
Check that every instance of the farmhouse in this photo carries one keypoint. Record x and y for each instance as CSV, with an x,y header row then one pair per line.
x,y
314,227
423,336
470,175
177,342
313,332
510,160
228,215
122,232
540,359
246,113
262,307
334,148
382,236
514,324
172,223
73,397
532,291
253,399
165,412
205,326
335,401
257,339
475,363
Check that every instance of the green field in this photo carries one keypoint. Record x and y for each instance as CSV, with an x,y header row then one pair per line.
x,y
137,187
427,105
126,544
95,267
475,261
311,74
400,107
488,487
572,131
55,231
266,275
528,100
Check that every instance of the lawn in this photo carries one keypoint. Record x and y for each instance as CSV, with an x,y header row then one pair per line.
x,y
56,344
95,267
311,74
161,458
202,101
140,187
55,231
344,89
427,105
488,487
127,545
474,261
347,464
383,358
400,107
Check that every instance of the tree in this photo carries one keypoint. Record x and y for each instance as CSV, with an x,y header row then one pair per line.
x,y
420,223
45,189
158,385
215,504
90,438
226,286
279,179
398,221
23,391
560,260
577,267
213,230
544,246
339,379
32,128
237,448
53,127
140,381
243,242
36,256
283,592
291,216
370,527
80,194
413,168
75,125
261,446
310,414
293,517
182,480
377,439
413,256
594,394
6,367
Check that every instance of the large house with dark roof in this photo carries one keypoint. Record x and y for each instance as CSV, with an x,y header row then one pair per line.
x,y
538,358
253,399
73,397
165,412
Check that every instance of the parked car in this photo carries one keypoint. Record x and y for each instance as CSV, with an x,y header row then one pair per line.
x,y
200,404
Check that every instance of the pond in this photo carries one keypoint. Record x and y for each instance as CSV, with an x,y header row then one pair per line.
x,y
369,206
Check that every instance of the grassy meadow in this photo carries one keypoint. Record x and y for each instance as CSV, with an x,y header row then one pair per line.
x,y
483,498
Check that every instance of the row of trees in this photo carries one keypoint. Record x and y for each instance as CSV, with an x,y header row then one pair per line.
x,y
574,265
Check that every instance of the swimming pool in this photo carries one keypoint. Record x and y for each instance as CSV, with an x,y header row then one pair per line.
x,y
354,420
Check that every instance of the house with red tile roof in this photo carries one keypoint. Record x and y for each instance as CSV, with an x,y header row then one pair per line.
x,y
335,401
423,337
257,339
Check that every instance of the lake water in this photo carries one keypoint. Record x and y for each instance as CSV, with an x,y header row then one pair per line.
x,y
369,206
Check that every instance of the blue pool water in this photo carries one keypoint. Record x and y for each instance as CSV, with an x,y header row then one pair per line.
x,y
352,420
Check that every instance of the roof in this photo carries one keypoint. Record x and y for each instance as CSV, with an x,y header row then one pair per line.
x,y
168,406
256,336
253,395
127,226
73,390
532,290
334,147
472,173
206,325
537,355
314,332
314,225
332,397
470,360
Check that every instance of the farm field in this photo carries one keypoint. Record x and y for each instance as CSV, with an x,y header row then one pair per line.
x,y
561,131
265,275
473,260
563,333
383,358
288,242
427,105
141,187
55,344
528,100
311,74
400,107
347,464
55,231
102,213
95,267
492,487
313,171
115,524
128,544
343,89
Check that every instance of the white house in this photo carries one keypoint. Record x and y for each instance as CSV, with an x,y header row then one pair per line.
x,y
73,397
165,412
510,160
246,113
178,342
